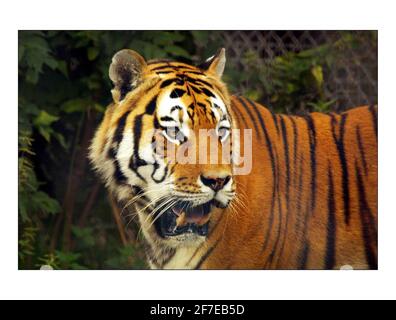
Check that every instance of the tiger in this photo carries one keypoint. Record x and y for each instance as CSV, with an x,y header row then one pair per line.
x,y
307,201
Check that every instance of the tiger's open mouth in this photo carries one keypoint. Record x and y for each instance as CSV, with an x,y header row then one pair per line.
x,y
184,218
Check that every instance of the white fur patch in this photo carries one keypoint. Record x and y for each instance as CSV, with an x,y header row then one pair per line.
x,y
166,103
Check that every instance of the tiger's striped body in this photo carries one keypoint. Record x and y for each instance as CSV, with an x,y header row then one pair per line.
x,y
312,194
310,201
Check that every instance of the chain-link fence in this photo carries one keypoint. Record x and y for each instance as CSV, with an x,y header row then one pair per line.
x,y
350,78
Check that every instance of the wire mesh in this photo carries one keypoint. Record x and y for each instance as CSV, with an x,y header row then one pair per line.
x,y
350,81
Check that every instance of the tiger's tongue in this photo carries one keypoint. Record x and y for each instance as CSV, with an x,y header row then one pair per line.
x,y
193,215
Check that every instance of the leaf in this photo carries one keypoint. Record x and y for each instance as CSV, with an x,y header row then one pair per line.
x,y
46,133
45,119
62,67
23,208
85,235
32,75
317,73
321,106
92,53
75,105
34,54
46,203
98,107
68,260
61,139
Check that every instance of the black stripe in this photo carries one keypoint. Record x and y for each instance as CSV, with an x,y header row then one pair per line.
x,y
155,168
299,191
287,164
241,117
286,151
207,254
118,176
331,223
373,111
119,133
167,82
135,161
273,169
137,191
266,136
165,66
234,108
177,93
117,138
304,257
278,233
207,92
302,221
312,151
369,227
164,72
361,149
175,108
195,72
274,119
195,89
184,67
150,108
339,141
172,170
202,105
167,118
295,146
200,81
250,115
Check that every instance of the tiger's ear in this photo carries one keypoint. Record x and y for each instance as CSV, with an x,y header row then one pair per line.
x,y
125,72
215,64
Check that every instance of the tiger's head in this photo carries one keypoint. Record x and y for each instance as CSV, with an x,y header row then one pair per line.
x,y
164,146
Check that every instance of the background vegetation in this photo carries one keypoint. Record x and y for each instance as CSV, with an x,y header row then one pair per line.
x,y
66,219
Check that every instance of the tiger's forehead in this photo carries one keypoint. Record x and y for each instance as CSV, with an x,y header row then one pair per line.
x,y
187,94
192,104
163,67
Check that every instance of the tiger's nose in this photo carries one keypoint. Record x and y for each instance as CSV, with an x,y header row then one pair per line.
x,y
215,183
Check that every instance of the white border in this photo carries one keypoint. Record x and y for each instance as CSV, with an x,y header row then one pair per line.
x,y
71,14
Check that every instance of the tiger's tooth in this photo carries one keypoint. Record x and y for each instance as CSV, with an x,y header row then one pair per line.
x,y
181,220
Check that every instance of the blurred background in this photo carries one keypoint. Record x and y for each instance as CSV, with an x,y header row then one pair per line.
x,y
66,219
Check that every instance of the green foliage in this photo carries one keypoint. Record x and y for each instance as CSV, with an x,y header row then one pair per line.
x,y
63,91
34,53
61,260
127,256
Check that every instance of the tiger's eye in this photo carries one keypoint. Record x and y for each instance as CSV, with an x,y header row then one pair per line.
x,y
172,132
223,132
